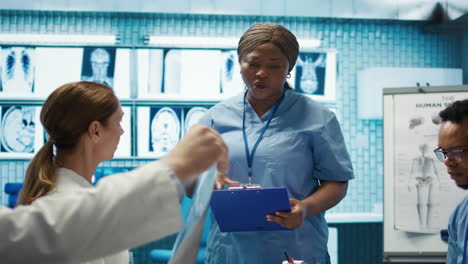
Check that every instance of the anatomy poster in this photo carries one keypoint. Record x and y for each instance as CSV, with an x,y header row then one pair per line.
x,y
425,195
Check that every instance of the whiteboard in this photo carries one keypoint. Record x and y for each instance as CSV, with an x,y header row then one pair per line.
x,y
417,201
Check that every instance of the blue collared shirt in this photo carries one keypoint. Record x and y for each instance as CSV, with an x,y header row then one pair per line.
x,y
458,226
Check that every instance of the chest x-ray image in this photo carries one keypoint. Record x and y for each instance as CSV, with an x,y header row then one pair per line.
x,y
164,130
98,65
17,68
18,129
193,116
310,73
231,79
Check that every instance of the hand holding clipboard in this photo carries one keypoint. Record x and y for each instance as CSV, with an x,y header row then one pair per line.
x,y
245,209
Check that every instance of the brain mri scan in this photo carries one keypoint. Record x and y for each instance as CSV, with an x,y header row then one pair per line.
x,y
18,129
193,116
165,131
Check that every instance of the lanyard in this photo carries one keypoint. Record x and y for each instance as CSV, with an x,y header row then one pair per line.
x,y
249,155
464,247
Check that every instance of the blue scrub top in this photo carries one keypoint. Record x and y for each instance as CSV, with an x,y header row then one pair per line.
x,y
458,228
302,145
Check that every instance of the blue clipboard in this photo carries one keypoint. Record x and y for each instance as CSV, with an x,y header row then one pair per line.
x,y
246,209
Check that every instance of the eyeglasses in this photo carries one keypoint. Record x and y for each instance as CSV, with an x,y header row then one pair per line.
x,y
456,155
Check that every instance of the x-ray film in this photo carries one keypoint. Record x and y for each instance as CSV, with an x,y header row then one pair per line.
x,y
17,76
193,116
159,130
21,133
150,72
231,79
125,146
188,240
315,75
192,74
98,65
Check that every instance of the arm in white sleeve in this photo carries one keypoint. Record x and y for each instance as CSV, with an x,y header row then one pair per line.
x,y
123,211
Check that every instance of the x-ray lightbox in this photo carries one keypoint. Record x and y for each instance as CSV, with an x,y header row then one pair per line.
x,y
21,132
124,148
315,75
36,72
188,74
193,116
17,71
159,130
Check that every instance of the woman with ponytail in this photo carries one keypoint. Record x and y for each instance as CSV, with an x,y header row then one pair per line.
x,y
61,220
82,120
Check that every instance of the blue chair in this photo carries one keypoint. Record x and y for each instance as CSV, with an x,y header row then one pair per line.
x,y
164,255
12,190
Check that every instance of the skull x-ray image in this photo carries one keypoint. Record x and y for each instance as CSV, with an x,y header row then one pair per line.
x,y
164,130
17,67
18,129
310,73
98,65
193,116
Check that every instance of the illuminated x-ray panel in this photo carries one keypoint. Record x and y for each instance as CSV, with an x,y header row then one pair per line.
x,y
193,116
159,130
150,72
36,72
124,147
55,67
109,66
17,71
315,75
231,79
192,74
122,74
21,132
98,65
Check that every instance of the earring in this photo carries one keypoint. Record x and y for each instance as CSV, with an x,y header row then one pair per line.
x,y
289,75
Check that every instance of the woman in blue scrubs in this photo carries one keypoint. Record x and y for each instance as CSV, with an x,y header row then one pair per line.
x,y
279,138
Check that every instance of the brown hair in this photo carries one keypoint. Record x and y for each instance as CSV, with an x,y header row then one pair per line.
x,y
262,33
66,115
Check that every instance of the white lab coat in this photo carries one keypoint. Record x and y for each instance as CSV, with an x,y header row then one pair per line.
x,y
123,211
69,181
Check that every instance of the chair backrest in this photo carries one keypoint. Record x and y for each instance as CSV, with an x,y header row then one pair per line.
x,y
12,190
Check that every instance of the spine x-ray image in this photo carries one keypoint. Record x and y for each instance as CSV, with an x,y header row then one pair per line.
x,y
17,70
98,65
18,129
310,73
164,130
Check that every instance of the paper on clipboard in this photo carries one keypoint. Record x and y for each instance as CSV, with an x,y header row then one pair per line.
x,y
246,209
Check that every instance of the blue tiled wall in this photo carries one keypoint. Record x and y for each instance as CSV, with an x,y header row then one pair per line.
x,y
465,55
360,44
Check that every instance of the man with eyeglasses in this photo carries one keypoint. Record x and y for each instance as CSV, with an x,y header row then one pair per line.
x,y
452,151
